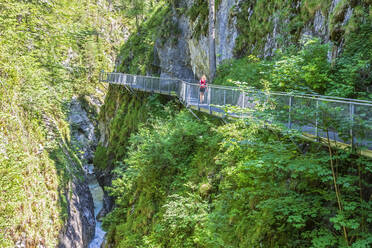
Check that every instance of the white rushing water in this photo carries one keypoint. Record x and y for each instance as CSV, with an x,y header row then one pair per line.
x,y
97,194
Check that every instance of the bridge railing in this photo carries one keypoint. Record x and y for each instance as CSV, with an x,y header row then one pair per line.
x,y
340,119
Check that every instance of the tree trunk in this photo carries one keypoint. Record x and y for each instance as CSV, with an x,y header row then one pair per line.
x,y
212,41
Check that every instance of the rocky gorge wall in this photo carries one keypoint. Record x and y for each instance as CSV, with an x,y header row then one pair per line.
x,y
254,27
80,226
189,56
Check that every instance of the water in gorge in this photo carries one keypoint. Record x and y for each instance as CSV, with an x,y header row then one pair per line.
x,y
97,194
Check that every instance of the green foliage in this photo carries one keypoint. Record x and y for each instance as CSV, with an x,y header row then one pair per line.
x,y
353,72
198,14
189,184
248,69
308,69
151,189
134,9
100,157
124,112
49,51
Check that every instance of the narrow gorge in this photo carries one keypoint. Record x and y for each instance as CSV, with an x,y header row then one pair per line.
x,y
91,163
86,202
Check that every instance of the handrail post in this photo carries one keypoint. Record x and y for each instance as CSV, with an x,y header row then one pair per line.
x,y
351,111
243,105
289,114
184,91
187,93
100,77
198,95
316,121
209,99
168,88
159,85
224,97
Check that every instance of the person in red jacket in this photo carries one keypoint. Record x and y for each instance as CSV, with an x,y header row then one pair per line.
x,y
203,87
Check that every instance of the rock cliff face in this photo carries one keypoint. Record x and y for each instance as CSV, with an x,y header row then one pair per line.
x,y
189,56
82,131
245,26
175,59
80,226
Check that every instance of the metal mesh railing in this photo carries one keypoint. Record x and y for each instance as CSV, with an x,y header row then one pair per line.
x,y
345,120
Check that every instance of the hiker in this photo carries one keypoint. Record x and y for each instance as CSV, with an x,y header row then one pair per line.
x,y
203,87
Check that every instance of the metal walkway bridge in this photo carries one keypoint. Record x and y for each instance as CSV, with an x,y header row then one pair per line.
x,y
344,121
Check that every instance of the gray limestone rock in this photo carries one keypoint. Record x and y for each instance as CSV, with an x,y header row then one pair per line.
x,y
175,58
80,226
226,32
188,58
82,131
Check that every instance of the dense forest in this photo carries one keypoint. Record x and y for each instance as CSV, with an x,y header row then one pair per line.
x,y
172,178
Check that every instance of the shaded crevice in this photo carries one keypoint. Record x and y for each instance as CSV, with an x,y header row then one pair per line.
x,y
84,195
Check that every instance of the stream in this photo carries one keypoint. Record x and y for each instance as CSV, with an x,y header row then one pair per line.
x,y
97,194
